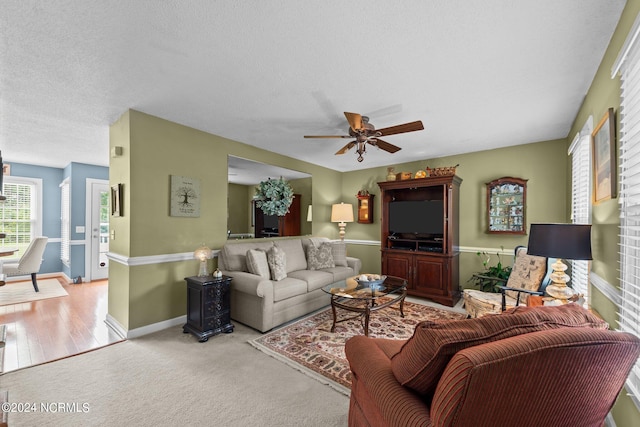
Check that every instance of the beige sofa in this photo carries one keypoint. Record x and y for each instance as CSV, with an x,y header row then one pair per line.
x,y
262,303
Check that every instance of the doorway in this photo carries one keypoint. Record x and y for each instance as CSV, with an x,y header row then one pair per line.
x,y
98,228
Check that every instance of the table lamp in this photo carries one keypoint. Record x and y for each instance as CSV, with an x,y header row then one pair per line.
x,y
568,241
203,254
342,213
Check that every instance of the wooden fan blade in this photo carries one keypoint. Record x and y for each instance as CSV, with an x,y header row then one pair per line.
x,y
407,127
384,145
355,120
328,136
346,148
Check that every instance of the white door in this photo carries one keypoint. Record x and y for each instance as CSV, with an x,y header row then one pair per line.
x,y
99,228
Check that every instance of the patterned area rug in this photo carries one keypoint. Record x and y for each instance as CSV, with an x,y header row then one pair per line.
x,y
309,345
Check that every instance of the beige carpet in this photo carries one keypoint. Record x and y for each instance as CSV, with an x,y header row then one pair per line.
x,y
170,379
19,292
309,346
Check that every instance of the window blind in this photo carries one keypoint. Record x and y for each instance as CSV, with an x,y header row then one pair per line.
x,y
629,198
18,213
581,204
65,219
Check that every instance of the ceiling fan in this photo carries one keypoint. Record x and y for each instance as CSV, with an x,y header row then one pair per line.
x,y
365,133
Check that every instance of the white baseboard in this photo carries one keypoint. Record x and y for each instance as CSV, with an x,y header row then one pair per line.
x,y
144,330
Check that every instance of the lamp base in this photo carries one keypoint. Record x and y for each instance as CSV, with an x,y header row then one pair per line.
x,y
341,226
559,291
203,272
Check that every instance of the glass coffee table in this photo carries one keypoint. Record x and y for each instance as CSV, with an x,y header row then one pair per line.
x,y
366,297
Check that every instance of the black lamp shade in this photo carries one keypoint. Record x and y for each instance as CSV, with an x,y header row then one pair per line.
x,y
567,241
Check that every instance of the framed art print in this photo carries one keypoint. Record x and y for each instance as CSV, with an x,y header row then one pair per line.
x,y
604,158
185,196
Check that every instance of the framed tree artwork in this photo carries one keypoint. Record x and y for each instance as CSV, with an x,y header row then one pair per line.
x,y
604,158
185,196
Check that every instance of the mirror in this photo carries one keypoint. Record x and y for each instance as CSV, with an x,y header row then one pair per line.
x,y
243,176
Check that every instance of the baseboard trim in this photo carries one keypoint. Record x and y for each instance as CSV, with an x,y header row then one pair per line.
x,y
123,333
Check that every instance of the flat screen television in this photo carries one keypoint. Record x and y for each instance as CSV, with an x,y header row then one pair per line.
x,y
416,217
271,222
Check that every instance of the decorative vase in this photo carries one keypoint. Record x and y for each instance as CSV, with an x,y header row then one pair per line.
x,y
217,274
391,176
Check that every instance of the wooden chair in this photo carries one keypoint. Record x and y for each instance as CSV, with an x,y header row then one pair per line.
x,y
529,276
30,261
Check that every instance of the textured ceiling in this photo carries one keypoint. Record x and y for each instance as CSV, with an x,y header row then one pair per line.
x,y
479,74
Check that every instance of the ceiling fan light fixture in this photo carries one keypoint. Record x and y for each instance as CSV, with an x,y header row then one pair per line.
x,y
365,133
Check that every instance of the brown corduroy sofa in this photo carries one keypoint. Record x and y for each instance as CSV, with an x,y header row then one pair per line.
x,y
542,366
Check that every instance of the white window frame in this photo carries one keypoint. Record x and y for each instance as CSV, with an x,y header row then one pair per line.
x,y
581,188
36,207
628,65
65,222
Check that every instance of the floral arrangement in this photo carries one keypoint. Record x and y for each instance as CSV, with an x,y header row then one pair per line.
x,y
274,196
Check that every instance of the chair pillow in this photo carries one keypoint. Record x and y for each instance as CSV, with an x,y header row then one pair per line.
x,y
319,257
339,253
527,273
257,263
425,355
277,261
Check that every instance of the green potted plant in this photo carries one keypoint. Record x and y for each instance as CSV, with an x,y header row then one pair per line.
x,y
491,276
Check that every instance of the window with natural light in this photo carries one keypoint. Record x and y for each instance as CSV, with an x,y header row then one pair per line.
x,y
21,213
580,151
627,64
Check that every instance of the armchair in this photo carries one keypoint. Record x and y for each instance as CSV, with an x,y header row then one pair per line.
x,y
30,261
529,276
542,366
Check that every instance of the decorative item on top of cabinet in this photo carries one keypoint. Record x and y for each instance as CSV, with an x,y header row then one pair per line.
x,y
365,207
506,206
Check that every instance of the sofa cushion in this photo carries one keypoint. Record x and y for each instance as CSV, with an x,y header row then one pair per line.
x,y
339,253
294,253
277,261
287,288
340,273
257,263
315,279
319,257
424,356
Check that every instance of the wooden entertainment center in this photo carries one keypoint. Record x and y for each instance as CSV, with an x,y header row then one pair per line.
x,y
429,257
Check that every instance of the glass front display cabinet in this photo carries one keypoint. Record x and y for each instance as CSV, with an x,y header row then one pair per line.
x,y
506,206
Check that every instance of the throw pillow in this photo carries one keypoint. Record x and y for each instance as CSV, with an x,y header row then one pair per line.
x,y
277,263
319,257
527,273
257,263
425,355
339,252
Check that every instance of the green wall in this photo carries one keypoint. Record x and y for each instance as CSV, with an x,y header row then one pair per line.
x,y
158,149
239,202
604,93
543,164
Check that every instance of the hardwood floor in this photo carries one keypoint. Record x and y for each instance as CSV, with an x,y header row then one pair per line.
x,y
50,329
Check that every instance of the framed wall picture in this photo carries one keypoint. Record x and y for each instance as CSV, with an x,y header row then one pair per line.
x,y
604,158
185,196
116,200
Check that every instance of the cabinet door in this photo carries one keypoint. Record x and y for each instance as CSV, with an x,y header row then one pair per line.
x,y
430,276
398,265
